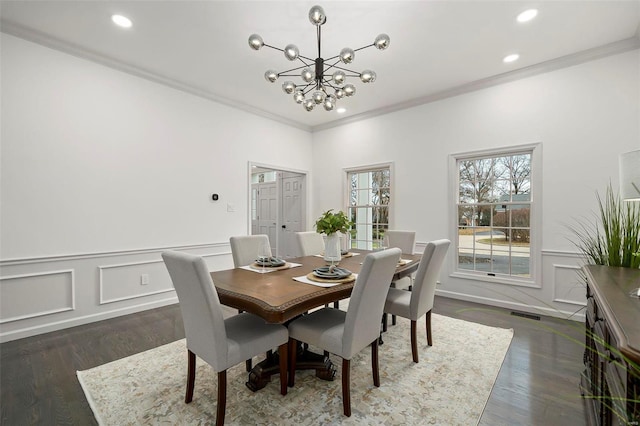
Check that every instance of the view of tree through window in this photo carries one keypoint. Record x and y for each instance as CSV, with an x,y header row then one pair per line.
x,y
494,209
369,198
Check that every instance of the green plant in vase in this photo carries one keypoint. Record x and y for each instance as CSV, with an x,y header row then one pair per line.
x,y
331,224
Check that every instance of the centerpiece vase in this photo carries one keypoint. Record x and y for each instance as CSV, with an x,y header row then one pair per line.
x,y
332,251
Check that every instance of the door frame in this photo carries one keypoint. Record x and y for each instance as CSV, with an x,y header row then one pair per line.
x,y
305,205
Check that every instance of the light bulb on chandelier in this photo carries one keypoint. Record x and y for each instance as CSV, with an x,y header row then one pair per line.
x,y
323,80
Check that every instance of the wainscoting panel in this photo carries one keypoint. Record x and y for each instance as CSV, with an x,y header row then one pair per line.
x,y
568,287
132,280
36,294
43,294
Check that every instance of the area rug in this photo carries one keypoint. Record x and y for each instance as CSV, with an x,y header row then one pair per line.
x,y
450,385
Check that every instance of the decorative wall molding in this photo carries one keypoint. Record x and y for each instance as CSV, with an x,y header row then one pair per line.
x,y
599,52
620,46
112,253
34,314
101,281
557,285
80,52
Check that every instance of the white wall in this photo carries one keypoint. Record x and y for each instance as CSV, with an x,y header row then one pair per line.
x,y
101,170
584,116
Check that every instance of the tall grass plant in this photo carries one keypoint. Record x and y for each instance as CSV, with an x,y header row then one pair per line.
x,y
613,238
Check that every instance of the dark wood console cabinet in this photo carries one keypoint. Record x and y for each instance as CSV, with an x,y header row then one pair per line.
x,y
610,384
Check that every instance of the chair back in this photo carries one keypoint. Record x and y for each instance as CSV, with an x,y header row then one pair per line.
x,y
309,243
404,240
200,306
245,248
362,323
424,285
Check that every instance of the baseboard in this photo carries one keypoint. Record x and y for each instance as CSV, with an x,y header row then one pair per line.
x,y
76,321
540,310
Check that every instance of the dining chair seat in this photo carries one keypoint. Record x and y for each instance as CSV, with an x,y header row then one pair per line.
x,y
405,241
418,302
347,333
221,343
245,250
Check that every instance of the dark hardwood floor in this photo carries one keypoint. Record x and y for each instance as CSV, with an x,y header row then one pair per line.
x,y
537,384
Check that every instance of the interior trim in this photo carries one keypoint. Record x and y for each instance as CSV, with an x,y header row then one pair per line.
x,y
123,252
614,48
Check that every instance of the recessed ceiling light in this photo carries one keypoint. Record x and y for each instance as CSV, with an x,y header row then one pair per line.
x,y
527,15
511,58
341,110
121,21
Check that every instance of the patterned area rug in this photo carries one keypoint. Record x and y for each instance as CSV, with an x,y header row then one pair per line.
x,y
450,385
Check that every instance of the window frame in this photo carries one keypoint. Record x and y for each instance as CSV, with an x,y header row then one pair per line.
x,y
535,222
369,168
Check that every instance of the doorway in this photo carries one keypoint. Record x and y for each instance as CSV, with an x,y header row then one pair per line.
x,y
277,206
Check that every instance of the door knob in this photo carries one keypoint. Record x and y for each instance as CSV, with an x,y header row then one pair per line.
x,y
284,226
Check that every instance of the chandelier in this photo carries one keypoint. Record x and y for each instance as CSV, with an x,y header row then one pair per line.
x,y
324,77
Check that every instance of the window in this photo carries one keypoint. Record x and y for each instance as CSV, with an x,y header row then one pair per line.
x,y
494,205
369,192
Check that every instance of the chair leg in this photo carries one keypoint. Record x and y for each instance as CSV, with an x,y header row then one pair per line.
x,y
414,341
385,319
191,375
393,320
248,365
346,386
282,352
336,304
429,342
222,397
293,344
374,363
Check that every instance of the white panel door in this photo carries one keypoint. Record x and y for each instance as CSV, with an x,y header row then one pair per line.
x,y
267,212
292,214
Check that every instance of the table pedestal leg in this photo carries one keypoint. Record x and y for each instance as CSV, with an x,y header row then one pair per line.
x,y
261,374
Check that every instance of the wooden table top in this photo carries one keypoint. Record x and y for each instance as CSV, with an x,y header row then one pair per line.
x,y
277,297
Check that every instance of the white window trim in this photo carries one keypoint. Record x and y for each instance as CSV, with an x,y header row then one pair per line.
x,y
535,239
346,187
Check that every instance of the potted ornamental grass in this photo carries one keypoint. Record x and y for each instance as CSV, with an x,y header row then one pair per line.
x,y
613,238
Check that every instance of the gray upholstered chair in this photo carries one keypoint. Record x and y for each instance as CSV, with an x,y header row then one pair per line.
x,y
347,333
405,241
419,301
309,243
245,248
221,343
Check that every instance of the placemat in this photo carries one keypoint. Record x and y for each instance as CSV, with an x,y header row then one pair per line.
x,y
348,279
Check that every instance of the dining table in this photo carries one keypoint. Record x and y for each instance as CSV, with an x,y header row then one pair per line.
x,y
281,294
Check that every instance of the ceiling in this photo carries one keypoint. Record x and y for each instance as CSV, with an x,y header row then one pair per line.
x,y
438,48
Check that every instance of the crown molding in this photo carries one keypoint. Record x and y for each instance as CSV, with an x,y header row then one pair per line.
x,y
83,53
614,48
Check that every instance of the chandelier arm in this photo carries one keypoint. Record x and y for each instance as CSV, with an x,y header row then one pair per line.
x,y
327,83
292,69
355,73
308,88
273,47
300,57
364,47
